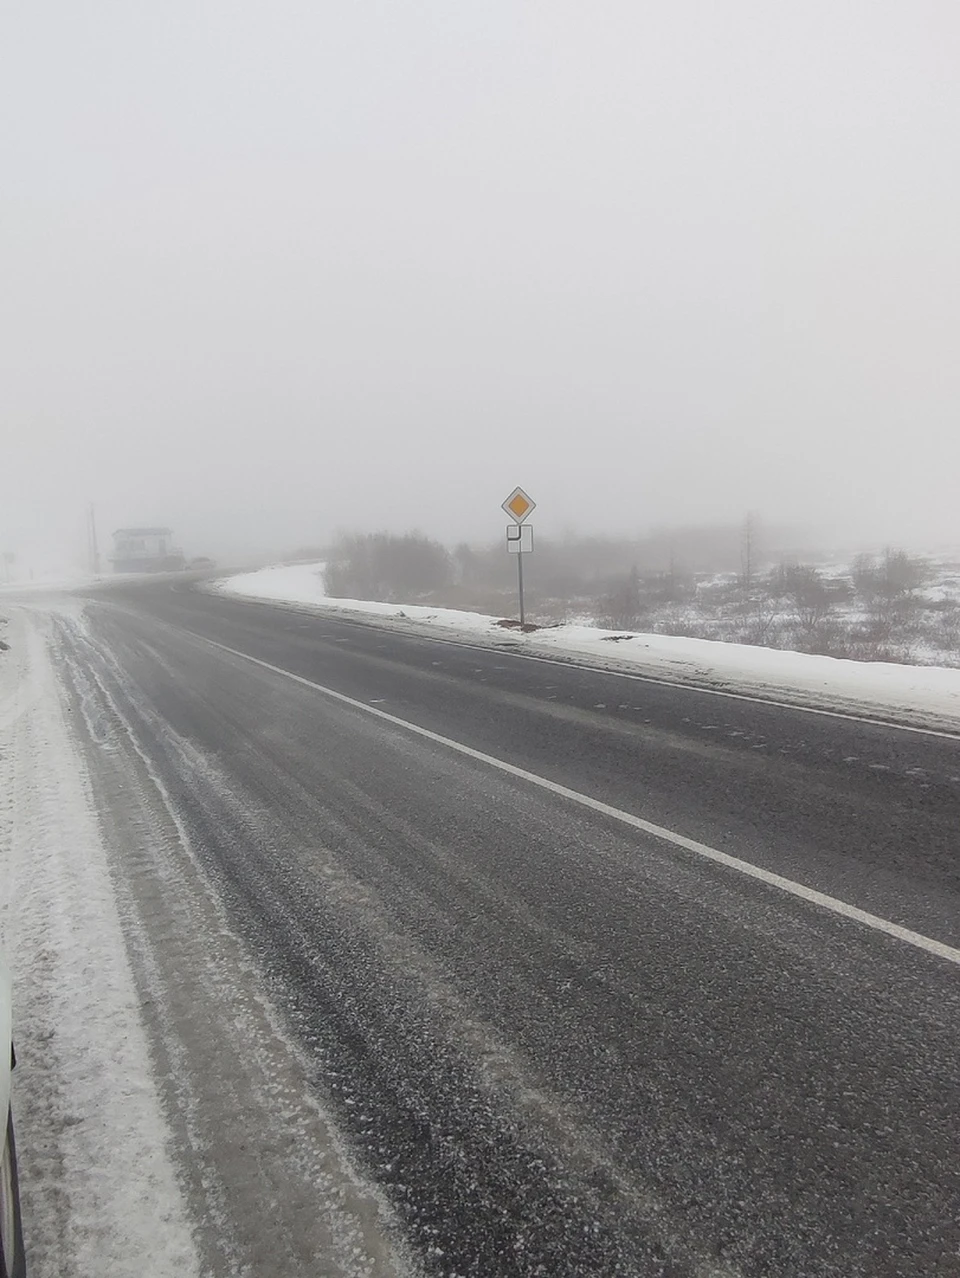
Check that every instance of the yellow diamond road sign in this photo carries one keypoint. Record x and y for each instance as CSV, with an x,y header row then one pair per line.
x,y
518,505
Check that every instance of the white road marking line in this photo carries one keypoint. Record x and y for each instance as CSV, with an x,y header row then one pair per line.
x,y
810,895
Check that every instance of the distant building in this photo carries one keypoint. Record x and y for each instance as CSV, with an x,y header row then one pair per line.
x,y
145,550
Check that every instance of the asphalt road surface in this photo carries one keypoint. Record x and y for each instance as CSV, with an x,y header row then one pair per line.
x,y
556,1043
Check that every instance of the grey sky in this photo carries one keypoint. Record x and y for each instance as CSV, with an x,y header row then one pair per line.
x,y
271,269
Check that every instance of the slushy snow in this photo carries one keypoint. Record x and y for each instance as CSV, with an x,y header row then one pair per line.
x,y
100,1193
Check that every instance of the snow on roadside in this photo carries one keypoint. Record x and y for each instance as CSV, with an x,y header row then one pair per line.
x,y
303,584
99,1189
45,583
917,695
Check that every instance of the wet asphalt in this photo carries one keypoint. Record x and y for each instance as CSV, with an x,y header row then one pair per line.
x,y
560,1045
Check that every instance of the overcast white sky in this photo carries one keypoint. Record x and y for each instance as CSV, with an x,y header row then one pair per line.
x,y
270,269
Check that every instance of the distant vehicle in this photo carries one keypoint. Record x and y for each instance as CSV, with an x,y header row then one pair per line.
x,y
12,1259
200,563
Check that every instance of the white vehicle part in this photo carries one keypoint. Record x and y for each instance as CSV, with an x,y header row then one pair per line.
x,y
8,1208
6,1038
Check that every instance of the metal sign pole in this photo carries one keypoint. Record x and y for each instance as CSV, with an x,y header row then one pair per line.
x,y
518,506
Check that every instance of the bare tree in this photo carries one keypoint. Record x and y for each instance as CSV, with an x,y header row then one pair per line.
x,y
387,567
748,547
621,609
466,562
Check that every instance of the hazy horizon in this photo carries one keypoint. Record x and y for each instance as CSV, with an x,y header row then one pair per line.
x,y
274,272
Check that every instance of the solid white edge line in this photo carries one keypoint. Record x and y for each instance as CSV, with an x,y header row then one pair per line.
x,y
810,895
579,662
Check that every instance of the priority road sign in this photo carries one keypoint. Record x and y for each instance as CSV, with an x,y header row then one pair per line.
x,y
519,505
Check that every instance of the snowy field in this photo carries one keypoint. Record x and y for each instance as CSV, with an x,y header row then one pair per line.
x,y
828,611
922,696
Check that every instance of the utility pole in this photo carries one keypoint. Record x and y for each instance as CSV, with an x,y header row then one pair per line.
x,y
92,547
747,548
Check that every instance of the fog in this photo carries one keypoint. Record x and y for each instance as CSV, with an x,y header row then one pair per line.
x,y
273,270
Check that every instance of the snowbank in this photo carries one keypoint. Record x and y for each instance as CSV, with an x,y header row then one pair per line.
x,y
52,583
303,584
923,696
100,1191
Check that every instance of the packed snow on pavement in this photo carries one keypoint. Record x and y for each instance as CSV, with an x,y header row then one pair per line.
x,y
167,1122
915,695
100,1192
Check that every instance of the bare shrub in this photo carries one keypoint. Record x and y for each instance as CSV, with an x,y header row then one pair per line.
x,y
939,625
809,596
680,622
620,608
386,567
888,584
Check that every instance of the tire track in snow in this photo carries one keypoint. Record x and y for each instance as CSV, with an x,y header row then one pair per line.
x,y
448,1117
267,1182
99,1186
